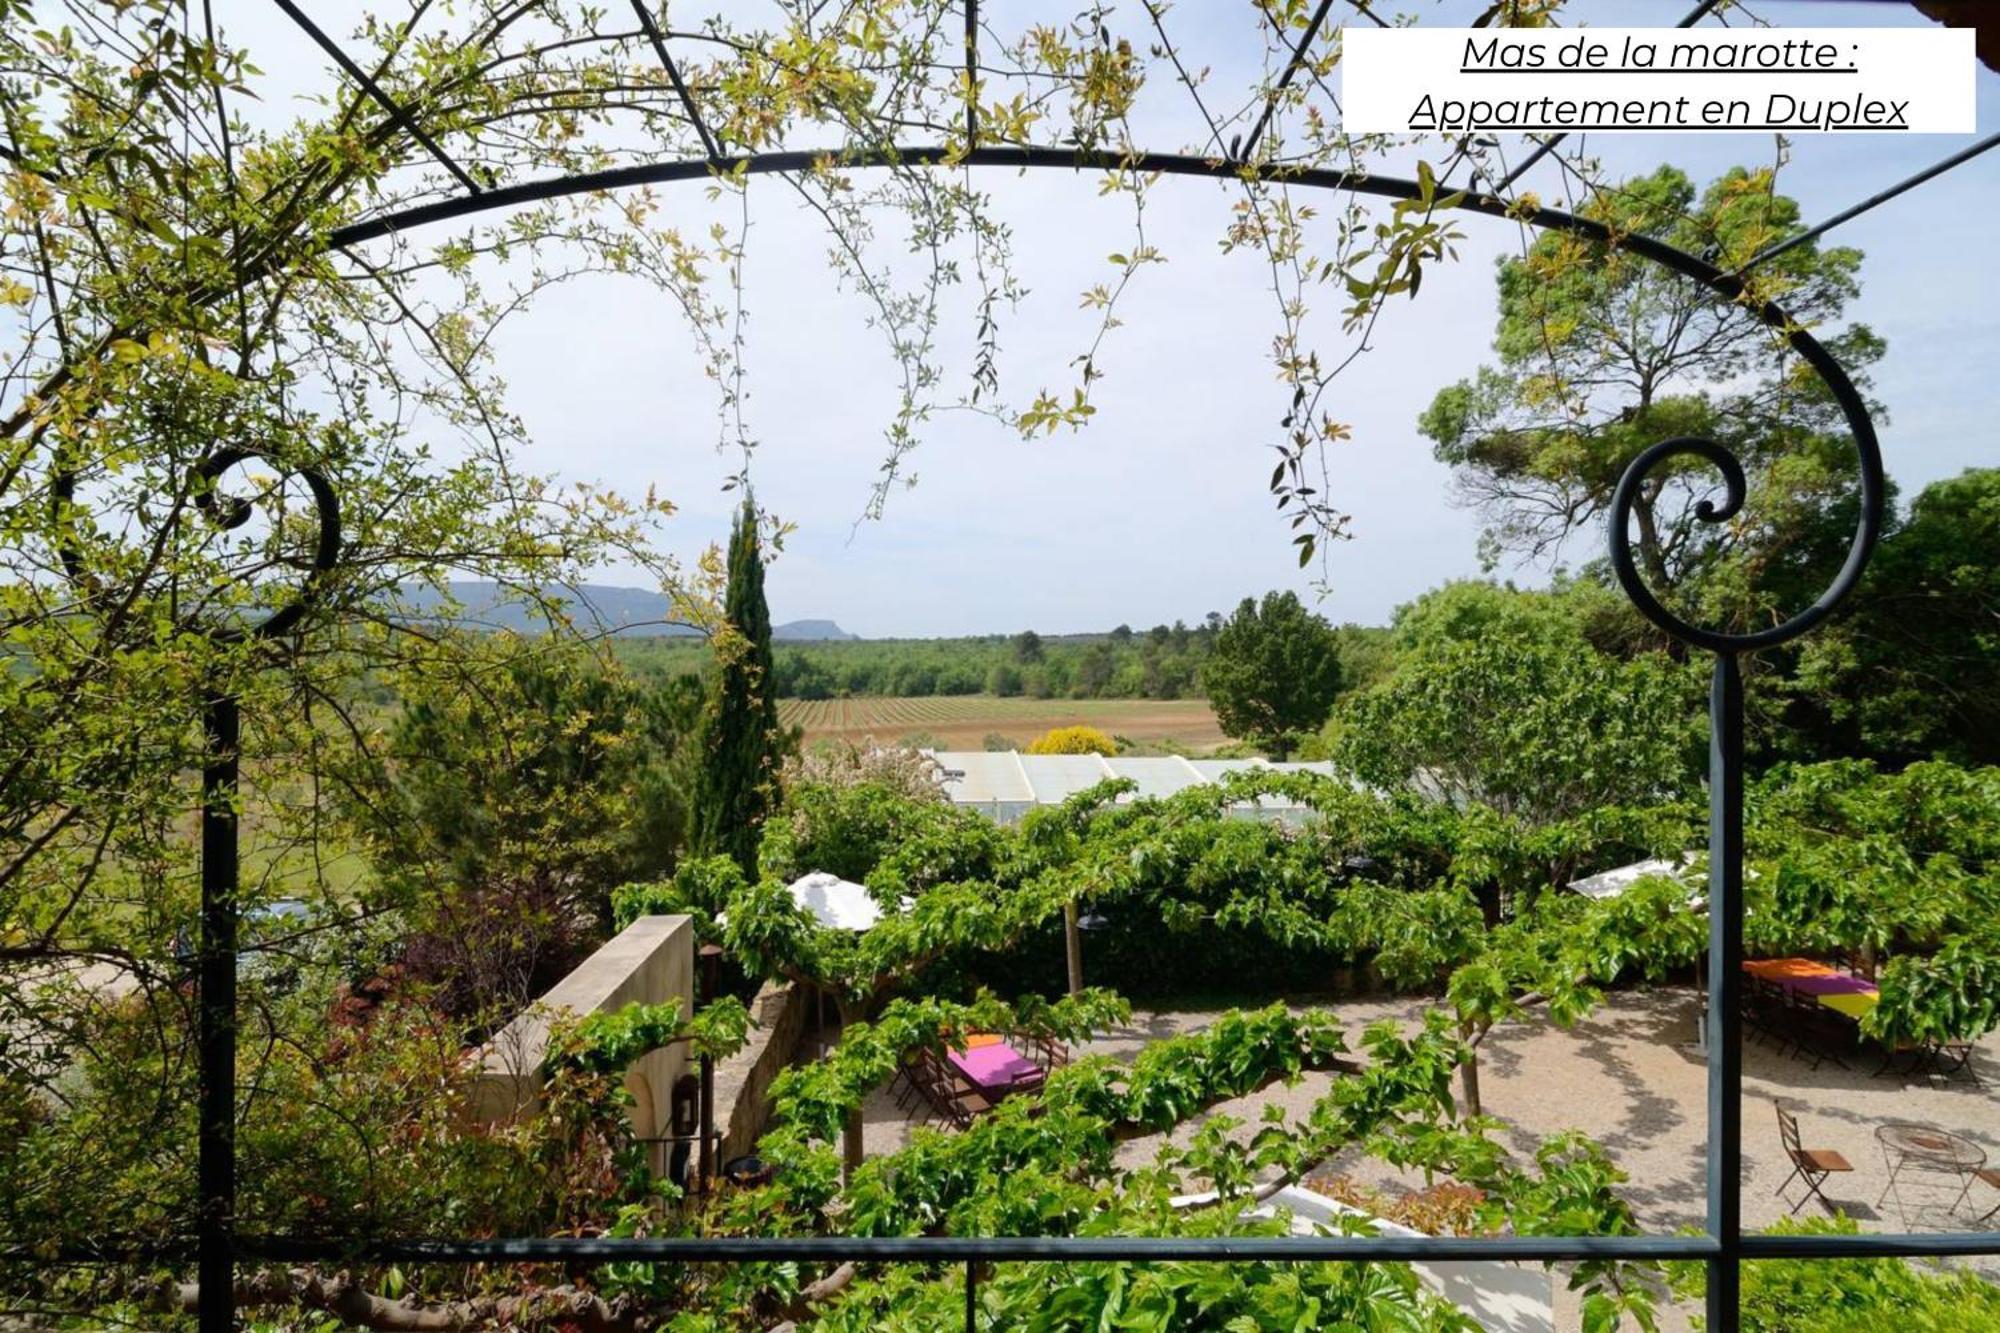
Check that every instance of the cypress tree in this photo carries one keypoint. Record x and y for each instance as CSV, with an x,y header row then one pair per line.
x,y
742,744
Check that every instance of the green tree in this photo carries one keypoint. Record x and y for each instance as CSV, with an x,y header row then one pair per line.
x,y
1498,698
1274,672
1914,670
1602,354
526,761
742,744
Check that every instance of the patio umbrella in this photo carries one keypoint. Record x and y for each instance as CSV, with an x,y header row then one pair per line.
x,y
836,903
1611,883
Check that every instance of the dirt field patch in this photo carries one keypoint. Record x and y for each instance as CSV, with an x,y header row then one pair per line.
x,y
962,722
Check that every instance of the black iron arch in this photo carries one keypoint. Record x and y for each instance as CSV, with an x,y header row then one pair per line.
x,y
1722,1245
1725,285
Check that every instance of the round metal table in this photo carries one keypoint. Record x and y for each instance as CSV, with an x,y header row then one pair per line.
x,y
1907,1146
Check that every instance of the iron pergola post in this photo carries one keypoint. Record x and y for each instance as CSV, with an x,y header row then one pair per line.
x,y
216,1012
1725,973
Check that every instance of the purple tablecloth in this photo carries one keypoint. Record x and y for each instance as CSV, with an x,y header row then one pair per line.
x,y
1837,984
994,1068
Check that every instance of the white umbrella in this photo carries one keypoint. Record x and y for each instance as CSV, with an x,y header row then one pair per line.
x,y
1611,883
836,903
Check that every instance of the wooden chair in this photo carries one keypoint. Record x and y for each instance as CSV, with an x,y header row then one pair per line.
x,y
1812,1165
1949,1058
909,1076
1030,1082
932,1084
962,1103
1750,1010
1046,1051
947,1094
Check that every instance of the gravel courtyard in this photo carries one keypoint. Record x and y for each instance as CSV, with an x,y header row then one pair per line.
x,y
1631,1077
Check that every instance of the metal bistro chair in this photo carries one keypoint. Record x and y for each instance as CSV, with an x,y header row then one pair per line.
x,y
1983,1175
1773,1015
1813,1165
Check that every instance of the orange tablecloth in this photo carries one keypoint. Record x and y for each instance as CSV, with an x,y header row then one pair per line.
x,y
1781,969
977,1039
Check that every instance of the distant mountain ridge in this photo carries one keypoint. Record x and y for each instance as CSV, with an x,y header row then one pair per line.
x,y
624,612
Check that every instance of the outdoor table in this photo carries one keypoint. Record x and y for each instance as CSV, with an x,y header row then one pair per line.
x,y
1853,1004
994,1069
1907,1146
1837,983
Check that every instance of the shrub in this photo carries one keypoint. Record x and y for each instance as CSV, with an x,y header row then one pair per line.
x,y
903,769
1852,1295
1073,740
492,948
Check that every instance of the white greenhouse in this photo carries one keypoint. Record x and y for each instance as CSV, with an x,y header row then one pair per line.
x,y
1005,784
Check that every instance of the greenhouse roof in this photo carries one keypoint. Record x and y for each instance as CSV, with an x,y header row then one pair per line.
x,y
1008,777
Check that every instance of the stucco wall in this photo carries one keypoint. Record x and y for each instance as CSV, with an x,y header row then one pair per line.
x,y
649,962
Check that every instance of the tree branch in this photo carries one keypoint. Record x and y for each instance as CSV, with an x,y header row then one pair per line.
x,y
563,1307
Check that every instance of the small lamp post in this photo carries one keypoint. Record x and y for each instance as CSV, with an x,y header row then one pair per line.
x,y
1074,928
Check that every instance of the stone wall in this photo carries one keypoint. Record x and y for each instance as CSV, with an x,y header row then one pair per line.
x,y
743,1082
649,962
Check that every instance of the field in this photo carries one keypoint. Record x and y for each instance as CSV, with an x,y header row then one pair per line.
x,y
963,722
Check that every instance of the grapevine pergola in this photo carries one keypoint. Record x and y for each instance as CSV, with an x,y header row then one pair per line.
x,y
409,137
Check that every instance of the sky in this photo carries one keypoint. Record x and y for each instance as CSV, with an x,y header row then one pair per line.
x,y
1159,510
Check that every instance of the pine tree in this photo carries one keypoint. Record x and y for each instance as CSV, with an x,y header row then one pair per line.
x,y
742,744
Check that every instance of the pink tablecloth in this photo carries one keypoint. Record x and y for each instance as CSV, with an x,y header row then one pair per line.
x,y
994,1068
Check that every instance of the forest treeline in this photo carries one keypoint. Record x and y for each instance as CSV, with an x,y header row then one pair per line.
x,y
1163,662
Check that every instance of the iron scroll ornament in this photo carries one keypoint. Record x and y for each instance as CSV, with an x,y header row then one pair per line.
x,y
1708,511
227,512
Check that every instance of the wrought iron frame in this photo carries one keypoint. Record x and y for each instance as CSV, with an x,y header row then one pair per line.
x,y
1721,1246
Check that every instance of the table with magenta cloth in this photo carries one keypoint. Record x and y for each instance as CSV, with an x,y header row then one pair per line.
x,y
1837,984
1854,1006
1838,991
994,1068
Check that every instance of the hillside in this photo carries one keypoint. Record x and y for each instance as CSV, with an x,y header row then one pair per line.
x,y
624,612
